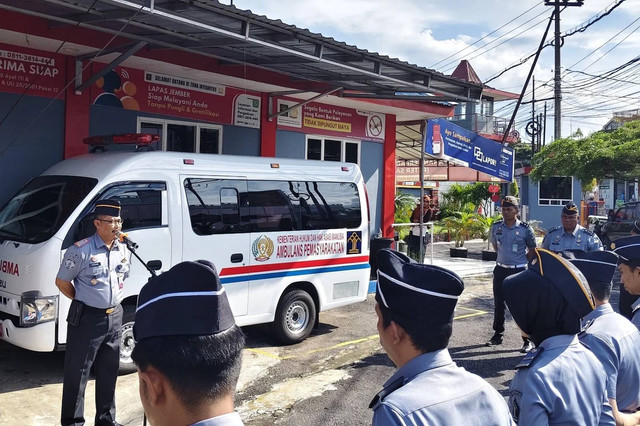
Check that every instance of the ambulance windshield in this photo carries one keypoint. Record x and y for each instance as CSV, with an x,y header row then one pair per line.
x,y
40,208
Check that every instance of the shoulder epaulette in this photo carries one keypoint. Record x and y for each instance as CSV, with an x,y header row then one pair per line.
x,y
498,222
586,231
529,358
81,242
525,224
554,229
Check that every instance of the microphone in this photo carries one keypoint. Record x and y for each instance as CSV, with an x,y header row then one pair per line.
x,y
124,238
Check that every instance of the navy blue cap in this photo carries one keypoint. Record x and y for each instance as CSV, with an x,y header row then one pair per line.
x,y
570,209
635,229
598,267
549,298
107,208
187,300
627,248
509,201
415,291
567,278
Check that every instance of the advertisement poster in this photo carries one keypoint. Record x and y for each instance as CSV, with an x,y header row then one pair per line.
x,y
158,93
331,120
448,141
34,71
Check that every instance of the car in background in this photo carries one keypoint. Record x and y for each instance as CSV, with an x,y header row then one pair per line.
x,y
620,224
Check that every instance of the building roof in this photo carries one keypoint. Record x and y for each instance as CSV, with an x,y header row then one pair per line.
x,y
240,37
465,71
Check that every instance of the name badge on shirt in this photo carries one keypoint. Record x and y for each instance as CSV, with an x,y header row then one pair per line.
x,y
94,264
514,247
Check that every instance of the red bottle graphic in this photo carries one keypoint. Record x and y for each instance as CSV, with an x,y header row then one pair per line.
x,y
436,140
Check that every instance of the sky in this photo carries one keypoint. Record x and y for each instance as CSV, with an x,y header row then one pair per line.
x,y
493,35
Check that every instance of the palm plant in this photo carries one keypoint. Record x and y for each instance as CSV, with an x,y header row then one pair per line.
x,y
461,225
484,227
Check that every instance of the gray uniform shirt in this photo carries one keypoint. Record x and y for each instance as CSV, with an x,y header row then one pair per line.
x,y
564,383
231,419
581,238
97,272
615,341
512,242
432,390
635,308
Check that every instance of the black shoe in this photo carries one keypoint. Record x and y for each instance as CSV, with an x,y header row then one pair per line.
x,y
527,346
495,340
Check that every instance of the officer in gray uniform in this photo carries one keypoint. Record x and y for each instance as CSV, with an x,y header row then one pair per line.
x,y
628,249
612,338
415,305
560,381
511,239
97,266
570,235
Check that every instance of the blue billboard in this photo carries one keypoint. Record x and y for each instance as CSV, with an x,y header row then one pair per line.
x,y
448,141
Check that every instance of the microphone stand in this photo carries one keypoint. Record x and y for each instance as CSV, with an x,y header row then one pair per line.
x,y
132,247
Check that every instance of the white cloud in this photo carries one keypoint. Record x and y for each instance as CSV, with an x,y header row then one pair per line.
x,y
424,32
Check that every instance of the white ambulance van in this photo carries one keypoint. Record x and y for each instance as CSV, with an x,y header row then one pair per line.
x,y
289,238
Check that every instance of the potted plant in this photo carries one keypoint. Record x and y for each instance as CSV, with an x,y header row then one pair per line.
x,y
460,225
484,227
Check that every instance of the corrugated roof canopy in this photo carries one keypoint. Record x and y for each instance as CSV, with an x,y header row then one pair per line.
x,y
235,37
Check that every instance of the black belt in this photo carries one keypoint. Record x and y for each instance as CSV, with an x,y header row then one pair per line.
x,y
502,265
100,310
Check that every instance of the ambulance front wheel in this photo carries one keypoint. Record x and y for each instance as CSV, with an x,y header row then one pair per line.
x,y
295,317
127,343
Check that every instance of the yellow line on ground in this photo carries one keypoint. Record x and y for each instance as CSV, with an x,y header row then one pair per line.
x,y
265,353
474,312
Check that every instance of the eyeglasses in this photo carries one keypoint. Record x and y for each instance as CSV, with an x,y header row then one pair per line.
x,y
113,222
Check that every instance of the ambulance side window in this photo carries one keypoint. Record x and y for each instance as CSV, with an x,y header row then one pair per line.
x,y
141,204
141,208
215,205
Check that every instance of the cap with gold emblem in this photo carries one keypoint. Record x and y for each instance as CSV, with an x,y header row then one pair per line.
x,y
570,209
509,201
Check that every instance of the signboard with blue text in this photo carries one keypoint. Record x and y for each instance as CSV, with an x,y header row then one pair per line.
x,y
448,141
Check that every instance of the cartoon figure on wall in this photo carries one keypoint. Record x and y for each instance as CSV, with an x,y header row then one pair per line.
x,y
113,87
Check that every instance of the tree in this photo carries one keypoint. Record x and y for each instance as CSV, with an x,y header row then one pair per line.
x,y
599,156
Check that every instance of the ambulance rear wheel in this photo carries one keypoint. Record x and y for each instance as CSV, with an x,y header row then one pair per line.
x,y
295,317
127,343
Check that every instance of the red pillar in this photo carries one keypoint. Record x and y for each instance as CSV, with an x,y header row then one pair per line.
x,y
267,130
76,114
389,176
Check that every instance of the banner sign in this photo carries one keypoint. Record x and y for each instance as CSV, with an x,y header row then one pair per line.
x,y
157,93
331,120
298,246
410,175
41,72
448,141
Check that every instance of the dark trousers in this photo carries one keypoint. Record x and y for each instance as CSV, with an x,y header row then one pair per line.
x,y
499,274
413,247
95,341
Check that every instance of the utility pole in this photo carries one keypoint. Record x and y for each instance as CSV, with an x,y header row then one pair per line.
x,y
557,42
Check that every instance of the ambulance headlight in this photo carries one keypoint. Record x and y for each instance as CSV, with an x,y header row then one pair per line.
x,y
35,309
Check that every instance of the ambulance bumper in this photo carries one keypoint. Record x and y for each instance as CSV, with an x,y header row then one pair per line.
x,y
39,338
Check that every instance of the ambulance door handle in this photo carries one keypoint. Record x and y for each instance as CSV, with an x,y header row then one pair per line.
x,y
155,265
236,258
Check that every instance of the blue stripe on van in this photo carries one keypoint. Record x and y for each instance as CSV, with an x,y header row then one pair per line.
x,y
290,273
